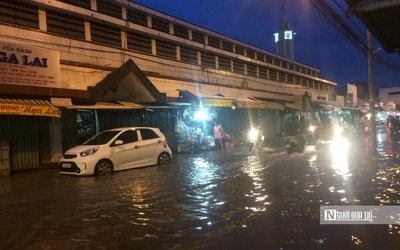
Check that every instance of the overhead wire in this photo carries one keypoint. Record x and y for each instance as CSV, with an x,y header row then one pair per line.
x,y
383,57
347,29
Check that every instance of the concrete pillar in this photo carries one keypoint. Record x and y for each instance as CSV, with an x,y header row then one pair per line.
x,y
88,36
55,128
93,5
42,20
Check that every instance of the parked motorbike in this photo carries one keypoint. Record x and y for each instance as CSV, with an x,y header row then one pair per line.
x,y
280,137
256,139
296,143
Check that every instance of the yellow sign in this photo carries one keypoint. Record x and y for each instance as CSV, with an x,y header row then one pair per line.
x,y
19,109
251,105
211,102
274,105
217,102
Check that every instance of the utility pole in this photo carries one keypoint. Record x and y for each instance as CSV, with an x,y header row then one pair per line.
x,y
371,97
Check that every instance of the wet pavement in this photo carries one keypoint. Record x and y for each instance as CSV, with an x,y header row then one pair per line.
x,y
212,200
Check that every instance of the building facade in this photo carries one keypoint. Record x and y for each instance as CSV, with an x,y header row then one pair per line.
x,y
71,68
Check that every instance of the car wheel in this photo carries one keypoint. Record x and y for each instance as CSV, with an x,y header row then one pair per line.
x,y
164,158
103,167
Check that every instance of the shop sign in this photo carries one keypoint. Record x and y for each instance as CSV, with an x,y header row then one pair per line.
x,y
217,102
251,105
320,97
29,66
20,109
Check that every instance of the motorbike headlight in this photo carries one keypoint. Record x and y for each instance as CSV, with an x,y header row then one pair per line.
x,y
338,131
253,134
89,151
311,128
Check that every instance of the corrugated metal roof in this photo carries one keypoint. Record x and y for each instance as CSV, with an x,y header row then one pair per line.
x,y
23,101
382,19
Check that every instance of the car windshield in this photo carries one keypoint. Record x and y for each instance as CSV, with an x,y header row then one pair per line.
x,y
101,138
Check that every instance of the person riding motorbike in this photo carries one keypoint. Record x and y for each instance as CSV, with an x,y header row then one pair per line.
x,y
256,138
295,143
280,137
312,133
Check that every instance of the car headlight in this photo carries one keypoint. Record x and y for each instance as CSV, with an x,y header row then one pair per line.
x,y
311,128
89,151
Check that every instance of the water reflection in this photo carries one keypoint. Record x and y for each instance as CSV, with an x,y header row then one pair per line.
x,y
387,170
272,201
253,168
200,203
339,151
383,136
203,172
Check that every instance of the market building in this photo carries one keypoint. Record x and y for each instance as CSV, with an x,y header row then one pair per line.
x,y
72,68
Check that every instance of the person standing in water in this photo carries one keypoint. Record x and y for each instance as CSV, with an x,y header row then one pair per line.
x,y
218,135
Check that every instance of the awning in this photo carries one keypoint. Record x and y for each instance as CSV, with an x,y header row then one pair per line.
x,y
320,107
326,106
67,103
269,103
291,105
228,101
216,101
394,111
234,102
33,107
102,105
131,104
349,108
249,103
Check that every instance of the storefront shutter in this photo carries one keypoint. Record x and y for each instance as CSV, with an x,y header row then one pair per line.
x,y
44,142
22,133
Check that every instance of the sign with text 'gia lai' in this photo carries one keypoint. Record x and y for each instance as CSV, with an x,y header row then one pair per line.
x,y
29,66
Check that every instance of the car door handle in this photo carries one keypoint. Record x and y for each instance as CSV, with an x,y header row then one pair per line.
x,y
137,146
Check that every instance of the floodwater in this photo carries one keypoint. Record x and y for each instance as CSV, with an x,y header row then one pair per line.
x,y
212,200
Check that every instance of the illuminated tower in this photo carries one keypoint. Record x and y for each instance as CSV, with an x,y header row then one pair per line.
x,y
284,40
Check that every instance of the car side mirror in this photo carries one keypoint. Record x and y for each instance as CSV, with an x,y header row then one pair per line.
x,y
119,142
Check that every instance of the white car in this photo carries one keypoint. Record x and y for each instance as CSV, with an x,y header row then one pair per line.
x,y
117,149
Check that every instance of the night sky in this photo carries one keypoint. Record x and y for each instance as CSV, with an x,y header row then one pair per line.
x,y
318,41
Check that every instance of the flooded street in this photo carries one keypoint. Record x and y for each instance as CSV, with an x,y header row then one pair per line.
x,y
211,200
